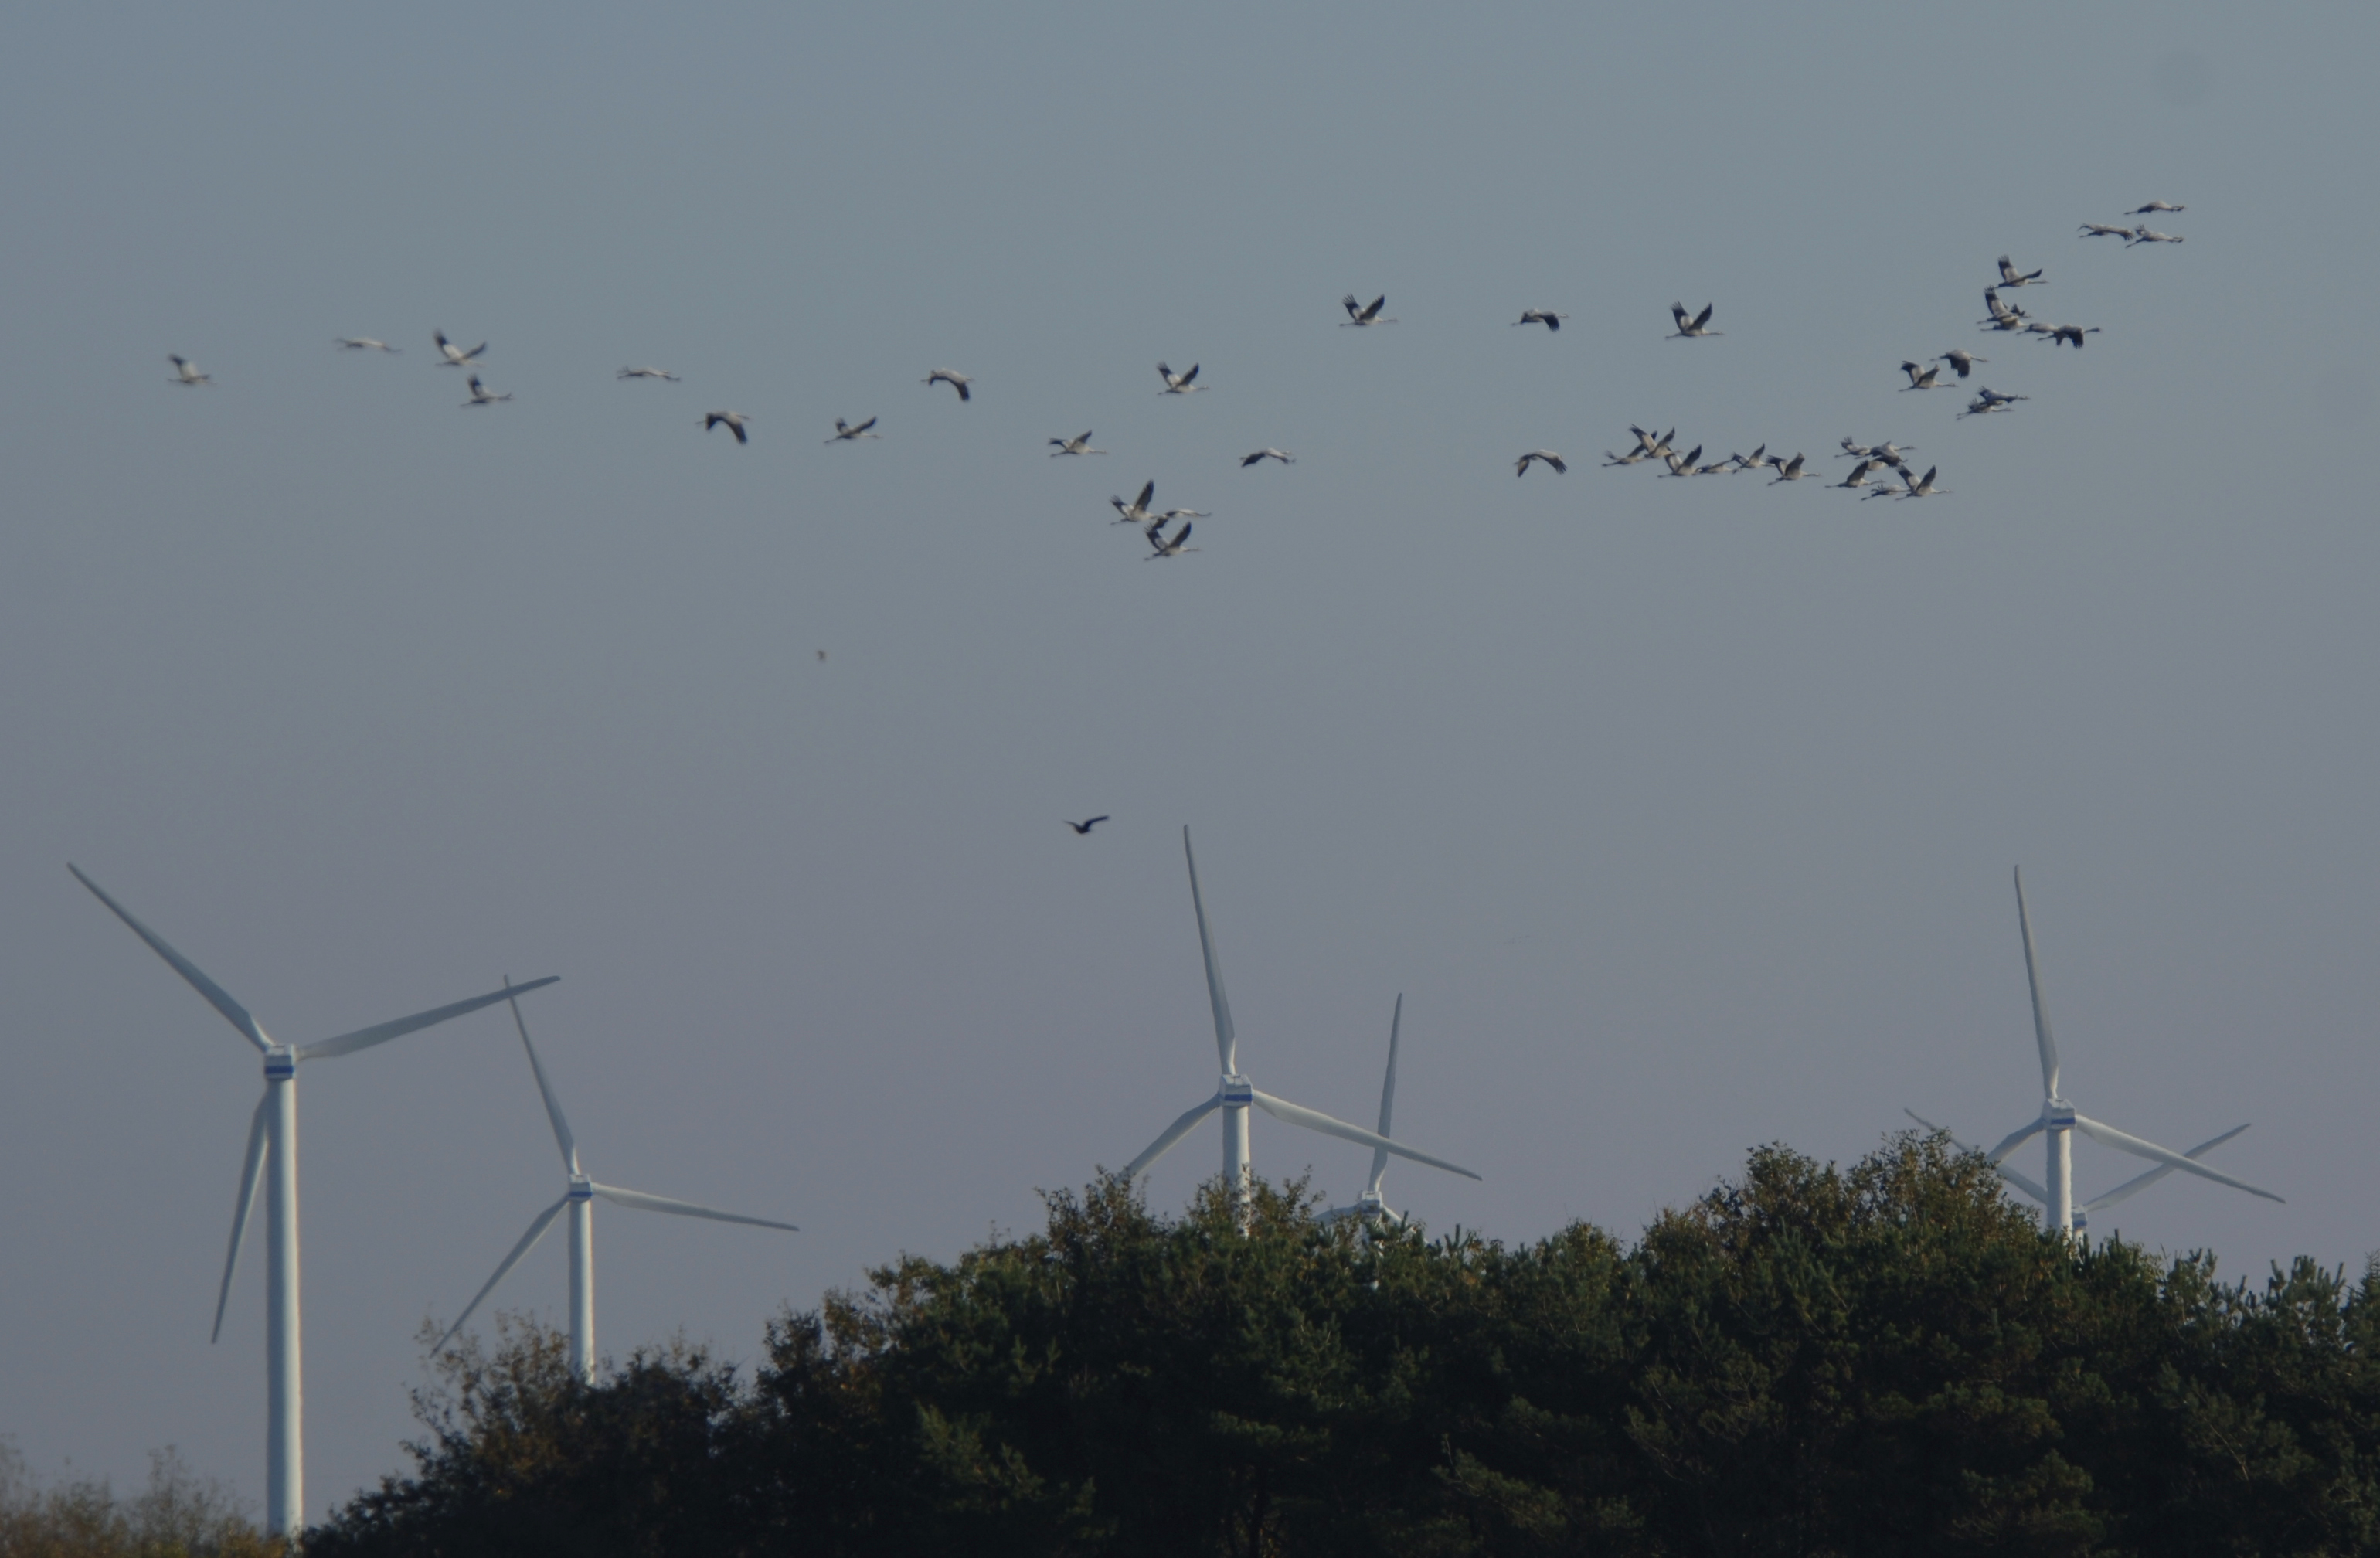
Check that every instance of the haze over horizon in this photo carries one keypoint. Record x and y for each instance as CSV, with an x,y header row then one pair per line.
x,y
1681,813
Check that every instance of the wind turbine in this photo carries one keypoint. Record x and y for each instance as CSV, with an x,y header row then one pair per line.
x,y
272,1151
578,1196
2058,1119
1234,1094
1369,1205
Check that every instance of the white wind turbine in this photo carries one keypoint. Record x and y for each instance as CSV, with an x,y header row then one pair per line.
x,y
1235,1093
272,1151
578,1196
2058,1119
1369,1205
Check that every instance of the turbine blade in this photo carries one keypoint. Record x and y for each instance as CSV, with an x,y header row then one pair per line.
x,y
2109,1135
561,1136
643,1202
1961,1146
2014,1141
1388,1095
2024,1184
528,1241
1173,1133
1314,1120
2142,1181
1224,1035
2040,1012
234,1013
2011,1175
248,1172
381,1033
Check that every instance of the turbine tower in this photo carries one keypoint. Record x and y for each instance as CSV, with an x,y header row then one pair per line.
x,y
578,1196
1234,1094
1369,1206
273,1152
2058,1119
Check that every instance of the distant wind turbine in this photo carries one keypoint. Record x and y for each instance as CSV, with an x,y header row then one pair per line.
x,y
2059,1120
578,1197
1234,1094
272,1156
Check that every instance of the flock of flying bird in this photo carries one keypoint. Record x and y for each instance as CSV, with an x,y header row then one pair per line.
x,y
1868,459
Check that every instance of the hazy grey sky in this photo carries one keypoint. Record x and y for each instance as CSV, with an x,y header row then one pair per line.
x,y
1681,812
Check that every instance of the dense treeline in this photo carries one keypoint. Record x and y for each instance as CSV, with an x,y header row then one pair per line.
x,y
1887,1360
179,1515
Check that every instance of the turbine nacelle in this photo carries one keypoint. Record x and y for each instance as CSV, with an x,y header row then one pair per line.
x,y
582,1188
281,1062
1235,1092
2057,1115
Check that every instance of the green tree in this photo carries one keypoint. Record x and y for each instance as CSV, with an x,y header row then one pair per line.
x,y
1885,1359
176,1516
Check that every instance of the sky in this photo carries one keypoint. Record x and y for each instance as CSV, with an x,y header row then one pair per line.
x,y
1681,813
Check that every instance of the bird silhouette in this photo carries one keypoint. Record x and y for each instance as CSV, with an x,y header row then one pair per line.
x,y
1083,827
1693,326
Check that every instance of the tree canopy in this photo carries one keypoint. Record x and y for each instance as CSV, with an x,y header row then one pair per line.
x,y
1884,1359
